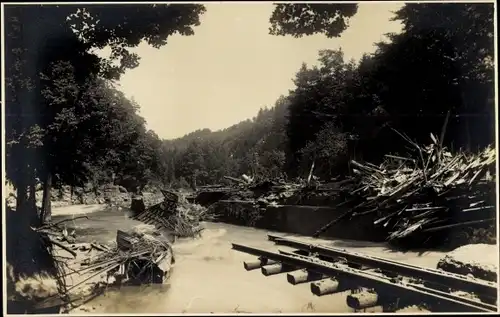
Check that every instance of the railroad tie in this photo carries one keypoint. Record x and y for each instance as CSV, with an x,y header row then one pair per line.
x,y
363,299
257,264
325,286
276,268
303,276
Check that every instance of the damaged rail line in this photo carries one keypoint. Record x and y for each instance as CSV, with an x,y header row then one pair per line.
x,y
373,281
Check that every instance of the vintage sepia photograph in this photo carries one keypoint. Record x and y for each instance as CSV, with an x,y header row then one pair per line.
x,y
249,157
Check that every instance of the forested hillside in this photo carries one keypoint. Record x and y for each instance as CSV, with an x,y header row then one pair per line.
x,y
428,77
68,124
65,123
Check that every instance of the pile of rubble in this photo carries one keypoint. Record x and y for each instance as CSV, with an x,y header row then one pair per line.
x,y
175,214
436,194
431,196
276,192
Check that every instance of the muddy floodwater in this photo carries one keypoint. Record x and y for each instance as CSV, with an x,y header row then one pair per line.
x,y
209,277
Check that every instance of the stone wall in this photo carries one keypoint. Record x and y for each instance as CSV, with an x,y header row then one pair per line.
x,y
107,194
304,220
66,195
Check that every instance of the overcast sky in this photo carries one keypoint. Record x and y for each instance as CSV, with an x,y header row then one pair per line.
x,y
232,67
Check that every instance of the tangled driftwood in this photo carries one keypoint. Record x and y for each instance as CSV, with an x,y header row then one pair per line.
x,y
433,191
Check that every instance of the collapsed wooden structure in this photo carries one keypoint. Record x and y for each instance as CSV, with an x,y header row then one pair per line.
x,y
417,198
174,215
429,197
137,258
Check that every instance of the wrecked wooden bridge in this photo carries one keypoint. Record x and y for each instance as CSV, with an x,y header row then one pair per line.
x,y
376,284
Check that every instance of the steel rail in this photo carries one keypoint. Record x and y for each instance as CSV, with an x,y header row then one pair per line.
x,y
444,304
448,279
418,286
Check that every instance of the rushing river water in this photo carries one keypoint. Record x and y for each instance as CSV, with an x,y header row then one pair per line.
x,y
209,277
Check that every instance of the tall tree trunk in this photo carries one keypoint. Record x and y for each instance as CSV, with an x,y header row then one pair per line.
x,y
21,195
32,195
467,135
46,214
465,113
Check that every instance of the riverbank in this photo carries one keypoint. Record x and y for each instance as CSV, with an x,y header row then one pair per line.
x,y
209,277
297,219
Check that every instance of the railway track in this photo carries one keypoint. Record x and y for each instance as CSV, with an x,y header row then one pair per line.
x,y
375,283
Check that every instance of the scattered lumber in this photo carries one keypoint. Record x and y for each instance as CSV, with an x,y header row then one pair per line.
x,y
419,196
176,215
141,256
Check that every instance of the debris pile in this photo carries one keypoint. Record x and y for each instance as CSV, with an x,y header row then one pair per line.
x,y
174,215
141,256
433,195
417,198
275,192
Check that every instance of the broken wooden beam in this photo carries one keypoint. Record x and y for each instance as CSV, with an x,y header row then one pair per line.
x,y
170,196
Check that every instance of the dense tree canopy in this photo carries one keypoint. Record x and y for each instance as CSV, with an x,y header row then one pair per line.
x,y
302,19
64,118
440,66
